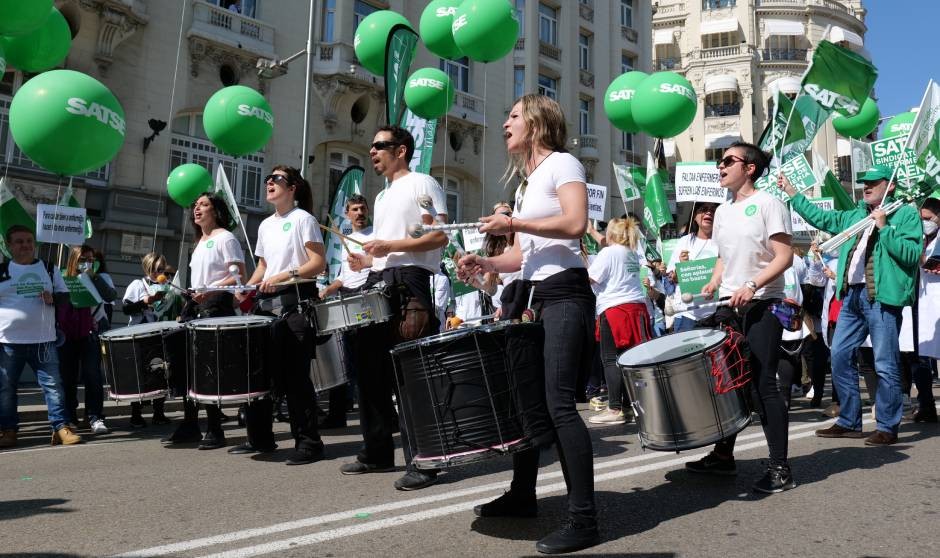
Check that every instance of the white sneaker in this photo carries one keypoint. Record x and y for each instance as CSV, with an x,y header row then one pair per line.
x,y
809,394
608,417
99,427
598,403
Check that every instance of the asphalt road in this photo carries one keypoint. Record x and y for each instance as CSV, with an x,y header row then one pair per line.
x,y
123,493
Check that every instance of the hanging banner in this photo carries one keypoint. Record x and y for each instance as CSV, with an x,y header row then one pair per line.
x,y
350,183
423,132
399,53
699,182
597,202
58,224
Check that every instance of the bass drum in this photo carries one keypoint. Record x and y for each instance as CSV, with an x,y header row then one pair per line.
x,y
140,360
230,358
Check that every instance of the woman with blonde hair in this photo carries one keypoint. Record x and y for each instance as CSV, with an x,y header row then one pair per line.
x,y
550,218
622,318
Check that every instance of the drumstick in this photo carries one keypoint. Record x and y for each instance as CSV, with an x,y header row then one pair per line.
x,y
342,239
339,234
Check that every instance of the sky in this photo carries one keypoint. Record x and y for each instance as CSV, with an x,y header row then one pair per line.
x,y
902,40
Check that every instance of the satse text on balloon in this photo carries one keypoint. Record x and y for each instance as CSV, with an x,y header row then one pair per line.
x,y
81,107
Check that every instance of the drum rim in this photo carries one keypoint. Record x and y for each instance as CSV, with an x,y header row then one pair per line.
x,y
214,323
341,297
704,349
458,333
119,334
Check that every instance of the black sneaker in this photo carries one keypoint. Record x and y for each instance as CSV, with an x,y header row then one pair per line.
x,y
777,478
360,468
138,422
249,448
304,457
186,433
213,440
416,480
573,536
160,419
711,464
509,505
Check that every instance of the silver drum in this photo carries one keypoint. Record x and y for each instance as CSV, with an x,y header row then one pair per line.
x,y
345,312
328,369
673,391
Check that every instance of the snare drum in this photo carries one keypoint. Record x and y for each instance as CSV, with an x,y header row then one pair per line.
x,y
328,369
685,389
139,360
230,358
350,311
467,395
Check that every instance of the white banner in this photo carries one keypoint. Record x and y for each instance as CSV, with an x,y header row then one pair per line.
x,y
58,224
799,225
472,239
699,182
597,201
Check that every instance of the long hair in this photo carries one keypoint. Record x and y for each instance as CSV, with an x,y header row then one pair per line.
x,y
223,217
302,193
544,127
152,262
71,268
625,232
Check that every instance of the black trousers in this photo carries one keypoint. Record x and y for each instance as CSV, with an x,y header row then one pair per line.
x,y
817,357
294,347
763,332
215,305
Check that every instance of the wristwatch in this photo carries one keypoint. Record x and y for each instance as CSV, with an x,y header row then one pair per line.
x,y
751,285
294,273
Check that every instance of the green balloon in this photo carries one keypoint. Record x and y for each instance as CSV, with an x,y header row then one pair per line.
x,y
861,124
41,49
898,125
187,182
618,101
372,37
664,104
18,17
429,93
485,30
238,120
435,28
67,122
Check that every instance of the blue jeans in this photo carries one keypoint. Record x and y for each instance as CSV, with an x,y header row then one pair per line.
x,y
681,323
44,360
858,319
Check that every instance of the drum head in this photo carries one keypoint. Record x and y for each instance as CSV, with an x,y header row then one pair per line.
x,y
230,322
139,330
674,346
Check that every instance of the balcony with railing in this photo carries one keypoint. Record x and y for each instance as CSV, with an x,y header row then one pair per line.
x,y
721,52
783,55
717,4
670,12
833,5
722,110
340,58
587,147
520,43
468,107
586,9
234,30
666,64
549,50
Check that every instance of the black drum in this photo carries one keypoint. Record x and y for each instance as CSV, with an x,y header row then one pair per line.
x,y
472,393
139,360
231,358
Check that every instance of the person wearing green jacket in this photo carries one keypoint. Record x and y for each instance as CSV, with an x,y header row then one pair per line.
x,y
875,280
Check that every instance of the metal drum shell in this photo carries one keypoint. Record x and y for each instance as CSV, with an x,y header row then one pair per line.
x,y
230,358
345,312
674,399
328,369
138,360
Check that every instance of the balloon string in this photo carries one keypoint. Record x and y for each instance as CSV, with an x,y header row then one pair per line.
x,y
176,69
483,151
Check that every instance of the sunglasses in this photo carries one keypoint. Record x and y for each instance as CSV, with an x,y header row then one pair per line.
x,y
728,161
276,178
380,145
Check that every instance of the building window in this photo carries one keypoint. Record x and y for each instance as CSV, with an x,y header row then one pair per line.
x,y
459,72
714,153
627,63
243,7
626,13
360,10
451,188
548,25
718,40
518,81
783,47
722,103
339,162
667,57
520,16
189,145
327,34
626,142
548,86
717,4
584,51
585,117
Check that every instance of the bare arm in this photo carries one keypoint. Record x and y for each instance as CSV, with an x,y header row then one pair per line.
x,y
572,196
380,248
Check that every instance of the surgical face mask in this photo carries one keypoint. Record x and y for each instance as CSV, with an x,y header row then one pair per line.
x,y
930,226
86,267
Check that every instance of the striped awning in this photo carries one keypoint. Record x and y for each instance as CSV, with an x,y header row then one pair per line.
x,y
719,26
715,84
783,27
663,37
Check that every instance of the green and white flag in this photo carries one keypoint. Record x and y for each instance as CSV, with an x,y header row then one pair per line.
x,y
655,203
11,213
784,129
831,187
924,139
423,132
350,183
629,178
891,152
68,199
224,189
797,170
839,79
399,54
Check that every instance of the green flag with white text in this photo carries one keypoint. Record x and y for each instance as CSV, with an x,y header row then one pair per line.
x,y
656,204
924,138
839,79
399,53
11,213
784,128
350,183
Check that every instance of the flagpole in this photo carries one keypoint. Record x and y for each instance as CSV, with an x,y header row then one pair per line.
x,y
918,121
304,157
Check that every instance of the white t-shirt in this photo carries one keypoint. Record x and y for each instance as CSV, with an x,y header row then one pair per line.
x,y
742,231
135,292
440,286
856,275
396,208
467,306
211,258
793,277
544,257
616,274
24,317
354,279
281,240
698,249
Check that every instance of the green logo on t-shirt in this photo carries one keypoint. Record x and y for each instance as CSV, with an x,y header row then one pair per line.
x,y
286,226
210,244
750,210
